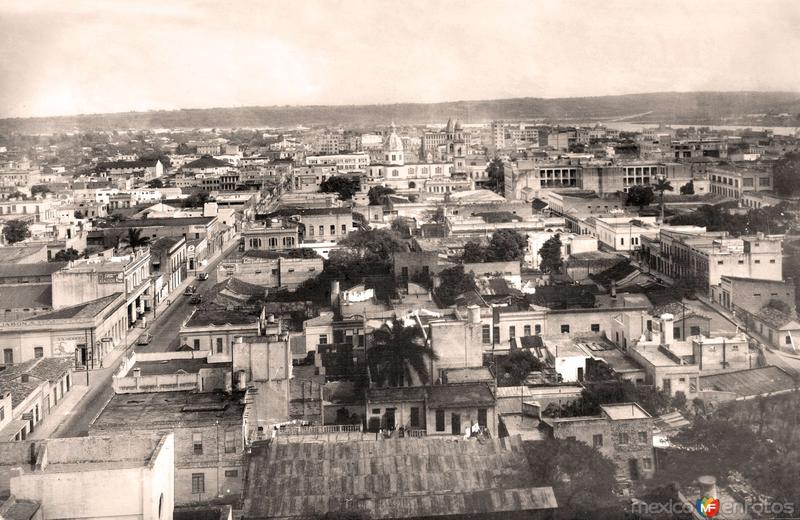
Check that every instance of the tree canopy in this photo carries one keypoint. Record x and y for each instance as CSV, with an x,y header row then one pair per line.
x,y
398,353
771,219
377,195
494,171
505,245
155,184
640,196
344,186
453,281
688,188
513,369
786,174
136,239
39,189
551,255
16,231
67,255
196,199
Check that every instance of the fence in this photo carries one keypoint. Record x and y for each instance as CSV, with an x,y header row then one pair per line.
x,y
318,430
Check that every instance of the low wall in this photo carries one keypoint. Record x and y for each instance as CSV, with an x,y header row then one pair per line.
x,y
159,383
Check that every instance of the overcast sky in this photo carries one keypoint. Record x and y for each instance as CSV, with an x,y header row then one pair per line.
x,y
87,56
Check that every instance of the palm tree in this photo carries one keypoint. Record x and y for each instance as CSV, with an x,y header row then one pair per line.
x,y
661,186
397,353
135,238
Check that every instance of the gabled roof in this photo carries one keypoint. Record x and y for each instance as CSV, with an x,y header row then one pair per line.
x,y
36,269
82,310
26,296
207,161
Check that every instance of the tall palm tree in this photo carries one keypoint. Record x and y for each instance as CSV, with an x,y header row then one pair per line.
x,y
661,186
397,353
135,238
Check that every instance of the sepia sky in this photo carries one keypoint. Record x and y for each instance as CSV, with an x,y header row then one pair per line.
x,y
87,56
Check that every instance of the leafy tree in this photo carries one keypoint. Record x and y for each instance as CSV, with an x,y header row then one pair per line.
x,y
67,255
688,188
196,200
512,370
78,214
155,184
551,255
661,186
640,196
580,476
377,195
786,174
453,281
473,253
494,171
506,245
401,227
398,353
344,186
16,231
39,189
135,238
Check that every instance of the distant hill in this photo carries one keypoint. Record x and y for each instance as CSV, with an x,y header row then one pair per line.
x,y
688,107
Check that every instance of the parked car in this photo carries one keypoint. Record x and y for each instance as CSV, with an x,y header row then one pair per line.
x,y
144,339
189,291
196,299
202,276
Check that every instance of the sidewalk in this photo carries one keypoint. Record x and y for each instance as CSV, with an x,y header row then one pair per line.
x,y
62,410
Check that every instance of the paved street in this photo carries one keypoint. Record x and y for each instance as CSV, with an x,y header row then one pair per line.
x,y
164,328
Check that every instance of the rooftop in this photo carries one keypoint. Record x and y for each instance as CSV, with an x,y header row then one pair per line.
x,y
749,382
39,370
207,161
623,411
173,366
206,316
37,269
82,310
172,409
168,221
467,394
397,478
26,296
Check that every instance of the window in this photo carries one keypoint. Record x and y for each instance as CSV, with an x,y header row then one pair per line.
x,y
772,261
496,334
231,473
647,463
197,344
219,345
537,329
486,332
482,417
197,443
321,230
643,437
333,229
788,340
344,229
311,231
597,440
571,438
376,411
8,356
439,420
720,262
694,330
595,327
526,330
623,438
38,352
415,417
230,442
565,329
198,483
676,332
323,339
512,332
758,261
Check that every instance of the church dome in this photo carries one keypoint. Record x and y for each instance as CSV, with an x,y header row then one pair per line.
x,y
393,142
458,125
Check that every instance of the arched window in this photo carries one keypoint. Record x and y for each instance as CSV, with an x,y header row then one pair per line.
x,y
273,242
412,185
438,169
395,173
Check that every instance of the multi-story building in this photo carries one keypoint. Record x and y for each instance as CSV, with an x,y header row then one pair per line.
x,y
168,259
344,163
92,278
734,183
708,256
145,169
622,432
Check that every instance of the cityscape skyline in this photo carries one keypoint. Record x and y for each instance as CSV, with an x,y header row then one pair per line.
x,y
135,56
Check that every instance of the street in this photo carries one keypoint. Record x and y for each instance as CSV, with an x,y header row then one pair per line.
x,y
164,329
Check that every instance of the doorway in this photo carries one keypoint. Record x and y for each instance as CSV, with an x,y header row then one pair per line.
x,y
633,469
455,422
390,421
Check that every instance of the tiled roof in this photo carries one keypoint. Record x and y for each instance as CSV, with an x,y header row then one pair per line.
x,y
37,269
749,382
39,370
26,296
678,311
774,317
397,478
14,254
210,316
467,395
82,310
207,161
141,163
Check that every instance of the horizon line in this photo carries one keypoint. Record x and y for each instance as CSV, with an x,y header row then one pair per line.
x,y
395,103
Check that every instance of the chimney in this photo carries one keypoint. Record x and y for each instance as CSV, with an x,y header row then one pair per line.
x,y
137,372
474,314
666,330
24,378
613,289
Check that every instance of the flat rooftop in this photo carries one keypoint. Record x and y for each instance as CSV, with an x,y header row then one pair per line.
x,y
206,316
169,409
622,411
749,382
173,366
